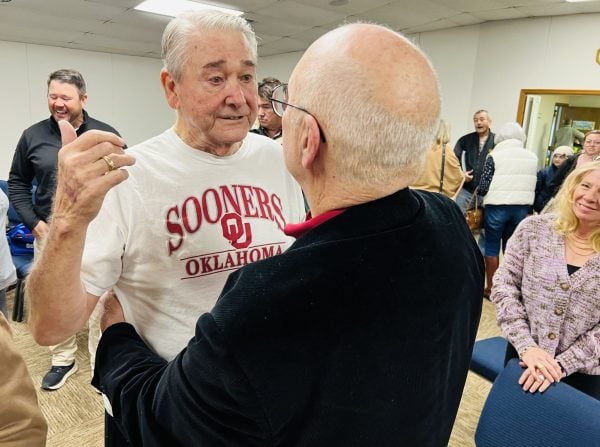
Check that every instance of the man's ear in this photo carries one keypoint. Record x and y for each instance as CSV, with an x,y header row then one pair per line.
x,y
311,142
168,84
83,99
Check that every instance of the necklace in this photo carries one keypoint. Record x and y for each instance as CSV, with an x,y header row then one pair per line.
x,y
579,245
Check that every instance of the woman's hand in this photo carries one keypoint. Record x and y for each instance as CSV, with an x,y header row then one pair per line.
x,y
542,370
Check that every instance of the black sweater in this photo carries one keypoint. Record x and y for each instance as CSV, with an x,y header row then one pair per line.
x,y
36,158
470,158
360,334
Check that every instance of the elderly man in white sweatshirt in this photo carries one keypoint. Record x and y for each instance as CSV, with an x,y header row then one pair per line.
x,y
508,186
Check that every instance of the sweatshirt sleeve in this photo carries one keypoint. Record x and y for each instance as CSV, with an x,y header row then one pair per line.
x,y
20,183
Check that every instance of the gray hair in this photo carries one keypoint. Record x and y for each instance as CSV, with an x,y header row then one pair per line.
x,y
369,143
266,87
174,39
483,111
510,131
68,76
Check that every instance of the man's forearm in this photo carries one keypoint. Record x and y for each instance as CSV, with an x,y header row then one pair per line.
x,y
59,303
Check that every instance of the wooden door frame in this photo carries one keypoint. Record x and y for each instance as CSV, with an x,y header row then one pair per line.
x,y
525,92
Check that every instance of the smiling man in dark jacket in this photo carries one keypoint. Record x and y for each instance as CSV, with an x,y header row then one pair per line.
x,y
34,162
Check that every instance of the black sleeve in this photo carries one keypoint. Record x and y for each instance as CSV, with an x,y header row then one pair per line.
x,y
458,150
539,187
486,178
202,397
550,191
20,181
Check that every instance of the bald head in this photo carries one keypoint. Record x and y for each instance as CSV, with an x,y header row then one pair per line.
x,y
396,75
376,97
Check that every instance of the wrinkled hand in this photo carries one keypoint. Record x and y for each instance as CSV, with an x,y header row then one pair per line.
x,y
542,370
112,312
468,175
41,230
84,177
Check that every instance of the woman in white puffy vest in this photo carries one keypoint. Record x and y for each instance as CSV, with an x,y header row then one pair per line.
x,y
508,185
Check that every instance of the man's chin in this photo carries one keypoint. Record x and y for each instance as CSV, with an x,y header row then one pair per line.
x,y
233,136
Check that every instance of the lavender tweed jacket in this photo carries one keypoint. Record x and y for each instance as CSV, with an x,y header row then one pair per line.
x,y
538,303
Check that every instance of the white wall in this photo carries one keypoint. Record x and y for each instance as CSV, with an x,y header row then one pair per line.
x,y
481,66
123,91
486,66
279,66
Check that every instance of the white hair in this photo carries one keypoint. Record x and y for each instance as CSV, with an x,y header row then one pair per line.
x,y
174,39
510,131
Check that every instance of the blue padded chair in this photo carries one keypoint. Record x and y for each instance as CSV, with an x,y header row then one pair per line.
x,y
488,357
562,416
22,262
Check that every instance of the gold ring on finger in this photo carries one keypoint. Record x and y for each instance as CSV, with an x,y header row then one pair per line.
x,y
109,162
541,367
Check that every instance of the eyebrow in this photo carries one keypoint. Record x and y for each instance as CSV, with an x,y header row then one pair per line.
x,y
219,63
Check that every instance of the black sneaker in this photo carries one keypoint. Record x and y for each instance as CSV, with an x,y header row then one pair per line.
x,y
57,376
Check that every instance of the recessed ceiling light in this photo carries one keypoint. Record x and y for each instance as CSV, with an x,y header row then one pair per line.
x,y
175,7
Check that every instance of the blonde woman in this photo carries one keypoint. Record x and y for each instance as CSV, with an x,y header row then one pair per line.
x,y
441,172
546,290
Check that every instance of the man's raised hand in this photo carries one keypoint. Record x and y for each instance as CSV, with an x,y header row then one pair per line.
x,y
88,167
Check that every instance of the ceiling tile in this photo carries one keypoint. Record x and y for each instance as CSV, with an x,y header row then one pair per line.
x,y
409,13
284,25
302,14
465,19
352,8
501,14
471,5
555,10
431,26
266,25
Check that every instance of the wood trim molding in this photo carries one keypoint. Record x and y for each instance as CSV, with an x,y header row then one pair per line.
x,y
525,92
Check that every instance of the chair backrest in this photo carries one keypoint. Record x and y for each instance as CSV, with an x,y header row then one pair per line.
x,y
561,416
488,356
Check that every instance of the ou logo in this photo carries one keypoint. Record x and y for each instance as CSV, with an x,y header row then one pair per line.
x,y
234,229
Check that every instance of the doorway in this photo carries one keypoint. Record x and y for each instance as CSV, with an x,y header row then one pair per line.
x,y
541,111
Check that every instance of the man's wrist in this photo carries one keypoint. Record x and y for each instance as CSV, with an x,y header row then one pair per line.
x,y
64,227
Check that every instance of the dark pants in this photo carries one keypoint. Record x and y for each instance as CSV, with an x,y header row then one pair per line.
x,y
585,383
112,435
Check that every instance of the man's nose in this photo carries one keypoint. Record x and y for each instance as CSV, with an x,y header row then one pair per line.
x,y
235,93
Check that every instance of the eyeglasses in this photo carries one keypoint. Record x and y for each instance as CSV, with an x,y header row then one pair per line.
x,y
279,102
